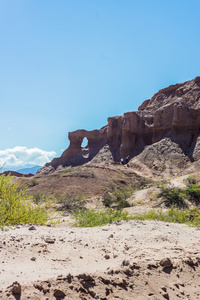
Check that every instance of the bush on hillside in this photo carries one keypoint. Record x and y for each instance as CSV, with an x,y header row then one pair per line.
x,y
16,207
118,198
190,180
172,196
72,202
193,191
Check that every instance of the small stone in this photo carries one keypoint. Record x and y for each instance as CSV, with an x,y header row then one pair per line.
x,y
59,293
38,286
33,258
166,263
19,239
189,261
50,240
182,293
125,263
118,222
107,256
16,288
166,295
32,228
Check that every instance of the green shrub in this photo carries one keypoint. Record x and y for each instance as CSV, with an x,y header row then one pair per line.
x,y
68,170
175,196
142,183
151,215
92,218
16,207
190,180
71,202
37,197
173,215
118,198
176,215
107,199
193,191
121,196
33,182
172,196
42,197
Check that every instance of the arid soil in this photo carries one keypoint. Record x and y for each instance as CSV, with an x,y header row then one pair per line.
x,y
89,180
125,260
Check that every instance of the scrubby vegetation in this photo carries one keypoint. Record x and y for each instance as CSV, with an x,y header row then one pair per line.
x,y
172,196
177,196
33,182
43,198
193,193
175,215
68,170
71,202
117,198
92,218
142,183
18,208
190,180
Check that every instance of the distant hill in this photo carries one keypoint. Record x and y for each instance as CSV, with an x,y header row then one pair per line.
x,y
32,170
26,169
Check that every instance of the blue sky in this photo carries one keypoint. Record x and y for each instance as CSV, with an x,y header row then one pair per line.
x,y
67,65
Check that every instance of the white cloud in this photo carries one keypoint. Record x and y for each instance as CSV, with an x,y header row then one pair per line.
x,y
21,156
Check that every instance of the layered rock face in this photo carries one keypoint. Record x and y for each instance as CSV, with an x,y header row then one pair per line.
x,y
173,112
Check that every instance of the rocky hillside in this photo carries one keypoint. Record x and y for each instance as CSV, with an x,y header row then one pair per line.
x,y
162,134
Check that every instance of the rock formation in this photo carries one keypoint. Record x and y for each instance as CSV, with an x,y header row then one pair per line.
x,y
173,112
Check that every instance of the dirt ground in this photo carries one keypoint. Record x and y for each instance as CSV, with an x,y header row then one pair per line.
x,y
90,180
124,260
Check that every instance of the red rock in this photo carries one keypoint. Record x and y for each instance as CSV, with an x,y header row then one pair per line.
x,y
173,112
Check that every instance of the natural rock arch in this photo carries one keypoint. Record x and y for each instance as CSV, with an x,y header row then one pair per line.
x,y
173,112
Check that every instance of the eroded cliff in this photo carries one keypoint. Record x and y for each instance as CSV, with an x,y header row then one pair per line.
x,y
173,112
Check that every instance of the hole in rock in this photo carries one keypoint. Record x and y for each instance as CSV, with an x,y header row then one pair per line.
x,y
84,142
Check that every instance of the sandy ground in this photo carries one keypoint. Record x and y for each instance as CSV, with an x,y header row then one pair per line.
x,y
125,260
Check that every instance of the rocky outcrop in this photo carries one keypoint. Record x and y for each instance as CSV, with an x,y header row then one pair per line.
x,y
173,112
164,158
